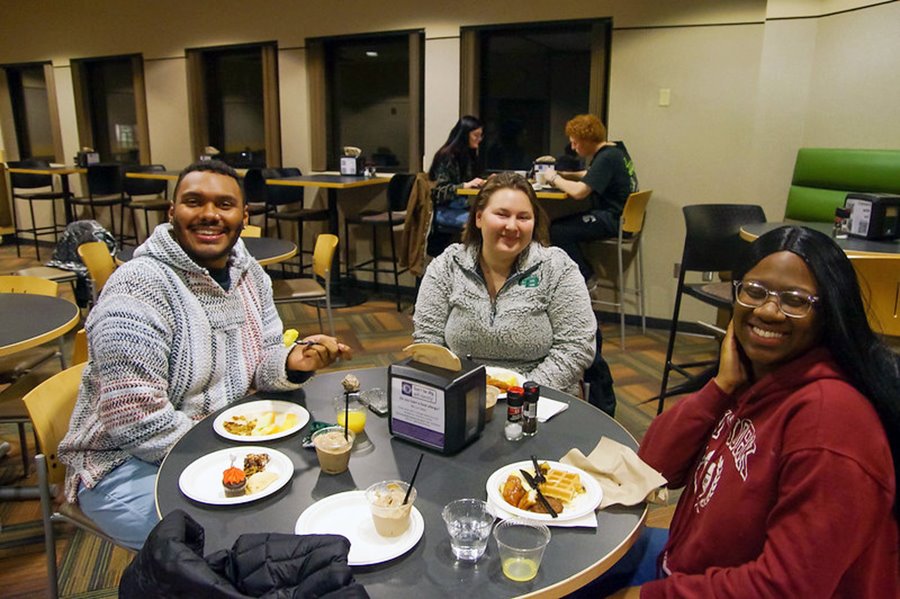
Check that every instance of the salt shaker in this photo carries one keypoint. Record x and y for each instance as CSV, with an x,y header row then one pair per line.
x,y
513,428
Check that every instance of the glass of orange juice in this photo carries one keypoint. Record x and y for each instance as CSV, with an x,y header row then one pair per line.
x,y
354,415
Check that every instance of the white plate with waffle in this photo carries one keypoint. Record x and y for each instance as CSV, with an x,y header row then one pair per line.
x,y
582,503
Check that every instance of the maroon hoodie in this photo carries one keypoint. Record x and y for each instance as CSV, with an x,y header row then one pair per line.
x,y
789,490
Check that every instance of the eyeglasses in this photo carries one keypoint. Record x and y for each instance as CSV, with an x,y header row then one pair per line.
x,y
793,304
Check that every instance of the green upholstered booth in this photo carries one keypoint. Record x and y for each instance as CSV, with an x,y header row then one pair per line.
x,y
824,176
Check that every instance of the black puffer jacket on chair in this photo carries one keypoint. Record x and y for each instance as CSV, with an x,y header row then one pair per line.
x,y
268,565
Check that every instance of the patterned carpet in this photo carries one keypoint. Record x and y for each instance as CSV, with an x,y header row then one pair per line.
x,y
377,332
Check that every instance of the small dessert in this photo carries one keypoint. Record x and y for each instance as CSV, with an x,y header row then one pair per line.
x,y
350,384
235,482
255,462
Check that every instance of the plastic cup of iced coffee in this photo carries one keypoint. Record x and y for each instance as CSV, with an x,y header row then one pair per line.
x,y
389,513
333,448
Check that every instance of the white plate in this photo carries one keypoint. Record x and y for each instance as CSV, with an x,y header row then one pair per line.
x,y
497,372
583,504
348,514
202,479
252,408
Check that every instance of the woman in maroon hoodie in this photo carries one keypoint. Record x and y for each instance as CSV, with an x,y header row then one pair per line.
x,y
789,456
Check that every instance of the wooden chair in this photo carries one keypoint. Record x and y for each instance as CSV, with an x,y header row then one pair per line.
x,y
50,406
251,231
99,262
18,365
304,290
631,223
80,347
879,281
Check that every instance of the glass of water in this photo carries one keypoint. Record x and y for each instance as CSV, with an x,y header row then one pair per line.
x,y
469,523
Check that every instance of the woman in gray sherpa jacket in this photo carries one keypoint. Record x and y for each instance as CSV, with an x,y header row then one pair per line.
x,y
504,298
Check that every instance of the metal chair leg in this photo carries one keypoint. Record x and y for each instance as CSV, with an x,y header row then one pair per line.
x,y
49,538
37,248
621,297
640,283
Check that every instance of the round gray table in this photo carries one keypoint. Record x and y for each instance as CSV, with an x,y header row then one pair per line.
x,y
28,320
574,557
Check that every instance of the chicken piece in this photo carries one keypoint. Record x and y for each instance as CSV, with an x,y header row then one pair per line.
x,y
513,491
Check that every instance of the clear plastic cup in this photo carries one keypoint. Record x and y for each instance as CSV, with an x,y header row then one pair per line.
x,y
355,415
469,523
333,449
521,546
389,513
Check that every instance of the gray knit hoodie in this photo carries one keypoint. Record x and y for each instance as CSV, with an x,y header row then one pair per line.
x,y
540,324
168,346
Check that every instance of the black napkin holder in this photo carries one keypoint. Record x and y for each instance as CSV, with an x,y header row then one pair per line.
x,y
440,409
353,166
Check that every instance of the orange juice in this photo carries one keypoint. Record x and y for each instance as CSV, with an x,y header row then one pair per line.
x,y
356,420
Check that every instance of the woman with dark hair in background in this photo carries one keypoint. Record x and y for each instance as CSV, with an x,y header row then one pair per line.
x,y
789,455
454,166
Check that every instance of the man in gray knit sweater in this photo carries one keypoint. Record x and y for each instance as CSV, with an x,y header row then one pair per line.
x,y
184,328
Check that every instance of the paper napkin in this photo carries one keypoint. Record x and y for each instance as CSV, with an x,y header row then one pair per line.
x,y
626,479
548,408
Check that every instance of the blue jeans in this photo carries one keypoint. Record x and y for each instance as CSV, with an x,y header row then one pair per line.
x,y
570,231
122,504
635,568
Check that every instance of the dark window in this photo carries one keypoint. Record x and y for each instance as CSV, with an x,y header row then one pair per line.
x,y
373,99
112,113
235,108
31,111
531,80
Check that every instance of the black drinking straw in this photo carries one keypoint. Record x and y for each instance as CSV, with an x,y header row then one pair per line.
x,y
346,413
413,479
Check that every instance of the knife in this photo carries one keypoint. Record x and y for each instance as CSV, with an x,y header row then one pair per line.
x,y
534,485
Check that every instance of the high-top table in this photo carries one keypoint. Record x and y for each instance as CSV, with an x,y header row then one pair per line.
x,y
266,250
574,557
341,295
852,246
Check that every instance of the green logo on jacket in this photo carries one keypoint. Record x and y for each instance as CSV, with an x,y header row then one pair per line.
x,y
531,281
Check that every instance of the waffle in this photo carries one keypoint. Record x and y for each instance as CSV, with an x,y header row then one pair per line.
x,y
562,485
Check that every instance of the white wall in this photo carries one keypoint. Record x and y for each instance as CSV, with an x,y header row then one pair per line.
x,y
751,81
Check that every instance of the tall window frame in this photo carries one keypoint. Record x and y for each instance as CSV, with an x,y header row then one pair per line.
x,y
325,152
198,89
92,132
472,71
16,138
